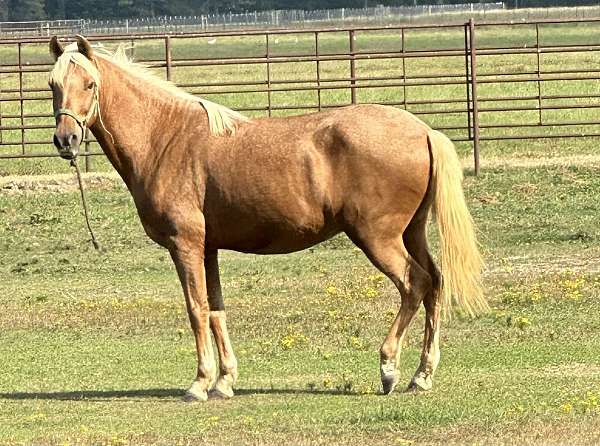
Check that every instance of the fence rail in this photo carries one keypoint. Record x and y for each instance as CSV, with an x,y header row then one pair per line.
x,y
476,82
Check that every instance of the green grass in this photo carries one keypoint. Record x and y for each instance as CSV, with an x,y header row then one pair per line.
x,y
337,42
96,348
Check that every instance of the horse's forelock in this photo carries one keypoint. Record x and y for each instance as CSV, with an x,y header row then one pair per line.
x,y
72,54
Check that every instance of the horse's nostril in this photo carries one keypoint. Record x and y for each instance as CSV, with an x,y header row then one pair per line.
x,y
67,141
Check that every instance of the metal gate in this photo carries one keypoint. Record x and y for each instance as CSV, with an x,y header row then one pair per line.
x,y
476,82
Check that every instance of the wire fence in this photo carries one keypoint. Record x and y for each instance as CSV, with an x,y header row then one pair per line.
x,y
253,19
42,28
285,18
274,19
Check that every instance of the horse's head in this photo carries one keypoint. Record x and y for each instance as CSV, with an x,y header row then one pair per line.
x,y
74,82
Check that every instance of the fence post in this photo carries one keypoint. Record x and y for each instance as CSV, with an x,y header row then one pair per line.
x,y
475,107
351,36
318,70
539,83
168,56
21,100
468,82
404,70
268,74
0,107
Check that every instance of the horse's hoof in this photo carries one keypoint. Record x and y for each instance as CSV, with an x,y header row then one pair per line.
x,y
222,390
389,384
421,382
389,381
194,397
389,376
195,393
220,394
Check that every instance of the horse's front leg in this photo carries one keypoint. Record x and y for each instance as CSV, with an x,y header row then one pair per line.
x,y
187,252
227,363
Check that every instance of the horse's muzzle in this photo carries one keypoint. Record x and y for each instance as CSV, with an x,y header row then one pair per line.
x,y
67,145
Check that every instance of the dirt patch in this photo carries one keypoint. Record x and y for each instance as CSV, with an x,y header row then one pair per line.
x,y
574,370
573,160
544,264
20,185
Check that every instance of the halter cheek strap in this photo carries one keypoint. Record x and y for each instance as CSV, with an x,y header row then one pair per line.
x,y
82,122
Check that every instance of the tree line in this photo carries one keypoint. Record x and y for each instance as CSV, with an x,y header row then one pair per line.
x,y
21,10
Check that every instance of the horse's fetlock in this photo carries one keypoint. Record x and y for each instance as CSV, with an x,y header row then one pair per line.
x,y
230,369
207,372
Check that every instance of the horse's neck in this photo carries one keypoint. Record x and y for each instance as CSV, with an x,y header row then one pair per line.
x,y
131,132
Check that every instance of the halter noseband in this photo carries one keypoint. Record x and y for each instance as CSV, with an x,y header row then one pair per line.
x,y
77,118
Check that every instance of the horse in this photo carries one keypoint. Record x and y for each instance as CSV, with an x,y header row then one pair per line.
x,y
205,178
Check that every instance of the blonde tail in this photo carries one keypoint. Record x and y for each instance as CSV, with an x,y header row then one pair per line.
x,y
461,262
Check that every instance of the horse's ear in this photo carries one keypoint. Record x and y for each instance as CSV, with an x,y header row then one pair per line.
x,y
84,47
56,48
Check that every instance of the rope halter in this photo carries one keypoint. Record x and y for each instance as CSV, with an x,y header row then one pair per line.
x,y
82,122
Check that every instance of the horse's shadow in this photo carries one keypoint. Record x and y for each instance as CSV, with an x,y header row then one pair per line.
x,y
99,395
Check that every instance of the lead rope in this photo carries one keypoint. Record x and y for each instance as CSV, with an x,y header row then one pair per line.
x,y
83,201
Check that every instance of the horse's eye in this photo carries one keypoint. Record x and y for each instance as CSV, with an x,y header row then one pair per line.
x,y
90,85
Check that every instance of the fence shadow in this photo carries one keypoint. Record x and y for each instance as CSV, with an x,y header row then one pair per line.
x,y
98,395
93,394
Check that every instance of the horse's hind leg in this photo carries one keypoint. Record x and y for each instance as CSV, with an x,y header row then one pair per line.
x,y
223,387
415,240
413,282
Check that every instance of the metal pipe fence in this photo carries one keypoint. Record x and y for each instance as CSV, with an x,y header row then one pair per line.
x,y
476,82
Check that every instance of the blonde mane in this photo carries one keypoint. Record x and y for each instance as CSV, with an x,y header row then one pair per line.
x,y
221,120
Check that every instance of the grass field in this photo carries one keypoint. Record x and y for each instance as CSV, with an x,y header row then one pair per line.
x,y
95,347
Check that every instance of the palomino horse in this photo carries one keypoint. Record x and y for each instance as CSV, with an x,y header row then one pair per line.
x,y
205,178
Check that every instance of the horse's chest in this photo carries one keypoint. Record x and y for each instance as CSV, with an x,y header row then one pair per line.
x,y
158,223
